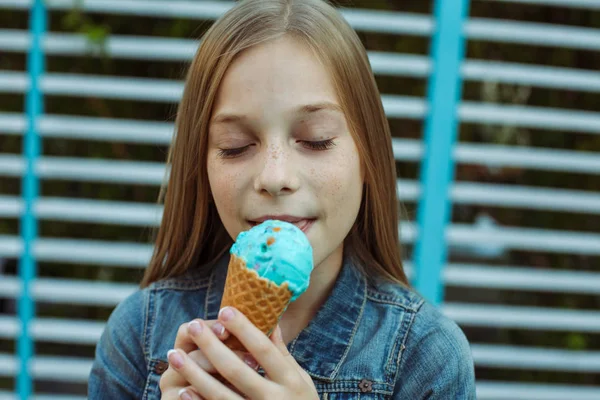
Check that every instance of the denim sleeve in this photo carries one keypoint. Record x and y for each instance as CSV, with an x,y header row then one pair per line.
x,y
119,368
437,362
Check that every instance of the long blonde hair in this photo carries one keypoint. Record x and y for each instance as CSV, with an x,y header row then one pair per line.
x,y
191,233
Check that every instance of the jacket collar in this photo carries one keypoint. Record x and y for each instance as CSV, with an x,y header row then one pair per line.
x,y
321,348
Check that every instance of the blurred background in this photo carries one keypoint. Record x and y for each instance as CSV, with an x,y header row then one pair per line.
x,y
88,95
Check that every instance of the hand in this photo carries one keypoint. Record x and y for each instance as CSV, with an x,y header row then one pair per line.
x,y
285,378
172,383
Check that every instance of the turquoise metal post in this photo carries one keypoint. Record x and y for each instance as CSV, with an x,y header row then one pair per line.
x,y
437,167
30,186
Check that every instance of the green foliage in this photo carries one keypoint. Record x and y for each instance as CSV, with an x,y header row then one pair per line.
x,y
75,20
576,341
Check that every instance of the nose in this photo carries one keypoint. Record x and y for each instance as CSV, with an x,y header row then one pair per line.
x,y
277,173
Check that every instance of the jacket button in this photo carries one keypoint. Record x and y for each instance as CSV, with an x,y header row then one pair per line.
x,y
161,367
365,386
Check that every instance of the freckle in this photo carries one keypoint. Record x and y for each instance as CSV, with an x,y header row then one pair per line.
x,y
276,229
270,241
275,152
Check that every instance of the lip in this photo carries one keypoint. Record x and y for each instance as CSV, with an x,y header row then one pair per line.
x,y
302,223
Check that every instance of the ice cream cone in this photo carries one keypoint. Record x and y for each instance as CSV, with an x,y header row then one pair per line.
x,y
259,299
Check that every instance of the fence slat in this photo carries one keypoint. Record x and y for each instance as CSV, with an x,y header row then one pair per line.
x,y
79,210
495,390
532,75
529,358
495,156
529,33
545,240
55,330
106,129
90,170
70,291
78,251
13,396
522,278
59,369
520,317
12,123
13,82
27,266
523,197
528,158
530,117
444,92
584,4
514,196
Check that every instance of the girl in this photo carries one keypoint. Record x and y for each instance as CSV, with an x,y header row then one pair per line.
x,y
281,119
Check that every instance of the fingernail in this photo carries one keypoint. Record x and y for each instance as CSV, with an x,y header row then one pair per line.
x,y
218,329
194,327
226,314
184,395
250,361
175,358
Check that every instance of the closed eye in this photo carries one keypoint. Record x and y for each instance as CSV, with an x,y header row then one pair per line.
x,y
318,145
232,153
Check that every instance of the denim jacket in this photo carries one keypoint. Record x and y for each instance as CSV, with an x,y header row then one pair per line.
x,y
367,341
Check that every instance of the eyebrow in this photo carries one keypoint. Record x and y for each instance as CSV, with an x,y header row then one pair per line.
x,y
302,110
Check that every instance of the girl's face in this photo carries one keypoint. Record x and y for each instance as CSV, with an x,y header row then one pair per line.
x,y
280,148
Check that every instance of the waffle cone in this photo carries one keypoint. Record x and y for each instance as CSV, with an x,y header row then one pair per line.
x,y
259,299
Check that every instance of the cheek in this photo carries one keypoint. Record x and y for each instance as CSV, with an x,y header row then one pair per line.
x,y
223,184
339,184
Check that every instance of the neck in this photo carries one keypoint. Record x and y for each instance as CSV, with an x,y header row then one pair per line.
x,y
299,313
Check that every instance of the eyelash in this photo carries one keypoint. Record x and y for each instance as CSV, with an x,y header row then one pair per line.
x,y
232,153
318,145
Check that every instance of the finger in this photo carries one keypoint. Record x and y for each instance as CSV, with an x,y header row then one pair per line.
x,y
277,340
257,344
171,382
228,364
172,385
171,379
224,381
184,341
204,383
204,363
218,329
188,393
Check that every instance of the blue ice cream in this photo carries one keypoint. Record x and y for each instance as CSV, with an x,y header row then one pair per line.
x,y
277,251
